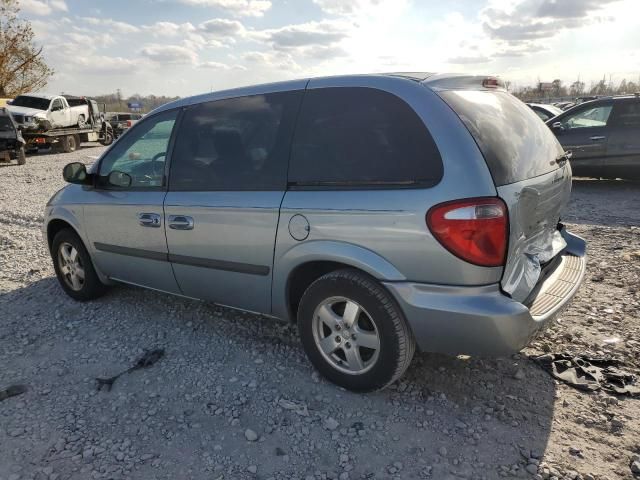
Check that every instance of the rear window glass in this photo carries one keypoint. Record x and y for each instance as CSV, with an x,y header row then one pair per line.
x,y
31,102
76,102
361,137
627,114
513,140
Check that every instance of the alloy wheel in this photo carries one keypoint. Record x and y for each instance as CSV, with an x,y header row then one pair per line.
x,y
346,335
71,267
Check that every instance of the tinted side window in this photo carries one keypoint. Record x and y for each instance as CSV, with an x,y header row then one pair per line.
x,y
588,117
235,144
141,153
361,136
626,114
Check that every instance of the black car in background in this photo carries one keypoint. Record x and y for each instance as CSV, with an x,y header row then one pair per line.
x,y
11,141
122,121
603,136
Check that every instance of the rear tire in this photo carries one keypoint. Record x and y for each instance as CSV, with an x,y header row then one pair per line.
x,y
68,144
22,157
74,268
82,123
354,332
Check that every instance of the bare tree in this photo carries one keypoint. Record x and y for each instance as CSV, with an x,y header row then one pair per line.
x,y
22,66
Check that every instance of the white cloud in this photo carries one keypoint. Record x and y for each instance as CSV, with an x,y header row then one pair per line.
x,y
338,7
169,29
361,8
113,25
102,64
222,27
323,33
273,60
469,60
220,66
240,8
43,7
169,54
90,41
523,21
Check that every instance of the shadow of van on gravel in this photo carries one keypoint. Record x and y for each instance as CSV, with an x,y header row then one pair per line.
x,y
226,371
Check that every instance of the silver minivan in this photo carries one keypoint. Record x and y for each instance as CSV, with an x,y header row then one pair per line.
x,y
380,212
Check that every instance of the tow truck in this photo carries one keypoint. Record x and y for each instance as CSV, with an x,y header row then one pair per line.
x,y
94,129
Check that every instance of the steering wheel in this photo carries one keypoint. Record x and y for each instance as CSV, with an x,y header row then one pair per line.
x,y
156,159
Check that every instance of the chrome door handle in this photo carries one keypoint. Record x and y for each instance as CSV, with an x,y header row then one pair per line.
x,y
149,220
180,222
597,137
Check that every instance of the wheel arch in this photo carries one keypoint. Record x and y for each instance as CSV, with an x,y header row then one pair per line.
x,y
55,225
60,219
300,266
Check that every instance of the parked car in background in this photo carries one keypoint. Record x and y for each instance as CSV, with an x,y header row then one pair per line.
x,y
11,142
544,111
380,212
564,105
603,136
39,112
122,121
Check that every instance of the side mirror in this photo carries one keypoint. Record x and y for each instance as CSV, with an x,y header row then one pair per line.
x,y
76,172
557,127
119,179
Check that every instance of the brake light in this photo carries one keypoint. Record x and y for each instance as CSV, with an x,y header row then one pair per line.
x,y
491,82
475,230
129,123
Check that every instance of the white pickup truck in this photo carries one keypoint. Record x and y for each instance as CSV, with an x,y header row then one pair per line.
x,y
38,112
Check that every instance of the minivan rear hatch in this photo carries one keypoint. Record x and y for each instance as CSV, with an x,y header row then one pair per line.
x,y
530,173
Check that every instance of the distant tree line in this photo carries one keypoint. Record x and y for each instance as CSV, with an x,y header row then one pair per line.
x,y
557,89
115,102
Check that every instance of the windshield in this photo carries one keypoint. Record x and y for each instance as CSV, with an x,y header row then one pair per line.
x,y
31,102
5,124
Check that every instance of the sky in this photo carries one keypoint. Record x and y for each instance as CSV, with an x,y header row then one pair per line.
x,y
186,47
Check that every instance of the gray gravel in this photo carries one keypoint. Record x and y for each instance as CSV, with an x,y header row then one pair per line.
x,y
235,398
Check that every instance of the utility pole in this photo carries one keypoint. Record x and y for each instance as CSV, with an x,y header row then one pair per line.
x,y
119,94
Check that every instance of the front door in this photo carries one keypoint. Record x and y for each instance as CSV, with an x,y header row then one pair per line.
x,y
125,224
623,145
584,133
227,181
58,114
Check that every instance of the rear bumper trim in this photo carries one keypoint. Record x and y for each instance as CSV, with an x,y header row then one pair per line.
x,y
560,285
483,320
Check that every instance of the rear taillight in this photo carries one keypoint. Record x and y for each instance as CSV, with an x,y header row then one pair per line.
x,y
476,229
128,123
491,82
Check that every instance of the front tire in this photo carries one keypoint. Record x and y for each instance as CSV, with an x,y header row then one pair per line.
x,y
353,331
74,268
107,138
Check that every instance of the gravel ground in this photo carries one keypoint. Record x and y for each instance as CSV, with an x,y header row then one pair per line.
x,y
235,397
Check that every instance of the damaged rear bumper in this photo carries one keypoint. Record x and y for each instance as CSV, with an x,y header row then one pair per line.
x,y
483,320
